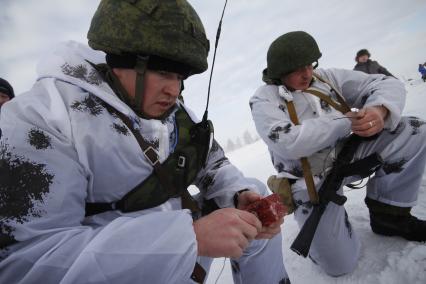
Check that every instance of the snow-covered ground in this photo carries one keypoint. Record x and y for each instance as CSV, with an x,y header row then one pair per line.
x,y
387,260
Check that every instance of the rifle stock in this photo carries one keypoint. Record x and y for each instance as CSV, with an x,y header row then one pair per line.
x,y
301,244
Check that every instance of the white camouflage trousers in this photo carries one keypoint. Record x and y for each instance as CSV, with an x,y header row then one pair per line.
x,y
336,246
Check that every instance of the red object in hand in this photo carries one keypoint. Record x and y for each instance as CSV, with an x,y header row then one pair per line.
x,y
269,209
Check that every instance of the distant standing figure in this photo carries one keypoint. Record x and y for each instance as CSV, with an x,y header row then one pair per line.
x,y
422,71
366,65
6,92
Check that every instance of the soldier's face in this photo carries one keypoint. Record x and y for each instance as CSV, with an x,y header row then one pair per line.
x,y
363,58
161,89
3,98
161,92
300,79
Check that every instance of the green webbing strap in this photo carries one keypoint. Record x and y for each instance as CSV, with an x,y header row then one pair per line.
x,y
150,155
118,87
108,76
169,179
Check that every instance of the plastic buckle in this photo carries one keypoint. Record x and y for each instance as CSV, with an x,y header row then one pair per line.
x,y
181,162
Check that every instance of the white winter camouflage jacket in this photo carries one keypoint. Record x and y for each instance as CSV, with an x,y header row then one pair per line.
x,y
61,148
321,126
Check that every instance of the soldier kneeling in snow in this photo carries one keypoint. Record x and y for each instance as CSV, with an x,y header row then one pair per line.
x,y
304,117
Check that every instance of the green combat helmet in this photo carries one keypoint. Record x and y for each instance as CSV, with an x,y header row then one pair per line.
x,y
150,32
289,52
166,28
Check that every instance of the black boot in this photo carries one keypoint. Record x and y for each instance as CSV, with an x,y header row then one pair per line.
x,y
390,220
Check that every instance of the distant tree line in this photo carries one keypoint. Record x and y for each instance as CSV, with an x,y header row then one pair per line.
x,y
239,142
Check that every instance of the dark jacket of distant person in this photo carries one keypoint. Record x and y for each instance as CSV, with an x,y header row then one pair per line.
x,y
372,67
366,65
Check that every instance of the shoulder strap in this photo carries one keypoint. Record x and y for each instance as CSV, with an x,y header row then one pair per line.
x,y
341,105
307,173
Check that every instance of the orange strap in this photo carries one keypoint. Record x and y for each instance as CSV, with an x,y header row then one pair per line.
x,y
344,107
327,99
306,167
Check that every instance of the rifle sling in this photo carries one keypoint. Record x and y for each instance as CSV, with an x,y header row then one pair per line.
x,y
363,167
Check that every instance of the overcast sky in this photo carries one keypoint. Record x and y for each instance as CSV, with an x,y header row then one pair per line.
x,y
394,31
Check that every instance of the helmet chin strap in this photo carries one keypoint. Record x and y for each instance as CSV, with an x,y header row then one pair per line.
x,y
135,101
140,68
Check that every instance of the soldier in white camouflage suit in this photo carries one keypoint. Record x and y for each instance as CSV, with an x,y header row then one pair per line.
x,y
322,130
96,158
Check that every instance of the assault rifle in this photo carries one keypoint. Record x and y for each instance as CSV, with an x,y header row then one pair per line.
x,y
342,168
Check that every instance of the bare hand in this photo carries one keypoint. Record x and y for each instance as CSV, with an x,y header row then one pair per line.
x,y
270,231
226,232
368,121
247,197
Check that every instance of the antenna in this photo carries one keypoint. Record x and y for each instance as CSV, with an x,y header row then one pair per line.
x,y
219,28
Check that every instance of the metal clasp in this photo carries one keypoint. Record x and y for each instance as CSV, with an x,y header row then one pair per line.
x,y
151,155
